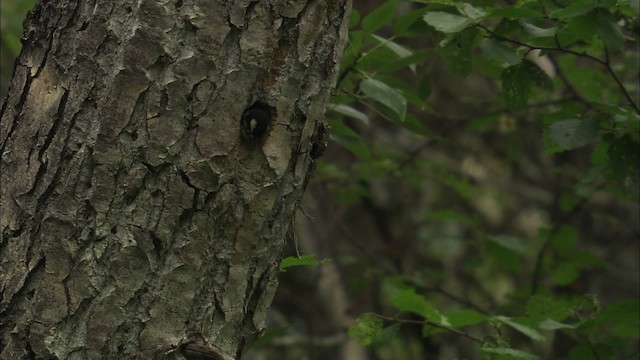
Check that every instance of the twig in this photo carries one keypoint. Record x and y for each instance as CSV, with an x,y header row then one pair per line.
x,y
606,62
359,57
537,270
430,323
447,294
620,85
568,83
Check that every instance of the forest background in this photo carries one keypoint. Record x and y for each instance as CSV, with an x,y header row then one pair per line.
x,y
479,197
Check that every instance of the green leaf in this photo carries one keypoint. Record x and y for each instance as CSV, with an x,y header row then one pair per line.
x,y
536,31
594,87
568,201
406,56
408,300
516,86
446,22
366,328
500,52
451,215
462,318
404,88
268,336
354,19
516,244
386,336
424,89
576,8
380,16
412,124
537,75
518,354
352,52
526,330
579,28
400,50
503,258
410,61
453,3
564,274
355,41
429,330
550,147
407,90
624,158
573,133
552,325
512,12
599,155
609,31
457,52
591,352
587,259
565,239
622,318
304,260
349,139
350,112
540,307
459,184
472,12
385,95
379,59
411,24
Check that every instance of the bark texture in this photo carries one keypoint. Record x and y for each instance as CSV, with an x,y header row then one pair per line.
x,y
135,220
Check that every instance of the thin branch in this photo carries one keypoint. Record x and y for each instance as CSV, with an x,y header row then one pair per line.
x,y
367,104
359,57
619,82
593,350
606,63
426,322
535,47
569,85
537,270
447,294
347,70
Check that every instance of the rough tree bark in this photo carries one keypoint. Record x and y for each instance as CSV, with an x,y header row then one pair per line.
x,y
136,221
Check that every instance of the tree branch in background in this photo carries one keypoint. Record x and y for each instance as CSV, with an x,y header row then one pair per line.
x,y
559,48
537,270
420,322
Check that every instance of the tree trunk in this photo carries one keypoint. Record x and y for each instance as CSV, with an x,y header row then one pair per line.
x,y
137,221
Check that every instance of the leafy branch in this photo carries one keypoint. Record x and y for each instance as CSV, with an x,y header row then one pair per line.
x,y
559,48
398,320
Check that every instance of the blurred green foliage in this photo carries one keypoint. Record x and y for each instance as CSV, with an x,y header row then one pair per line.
x,y
558,107
563,68
12,12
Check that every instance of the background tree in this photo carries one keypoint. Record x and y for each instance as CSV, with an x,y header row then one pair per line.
x,y
136,220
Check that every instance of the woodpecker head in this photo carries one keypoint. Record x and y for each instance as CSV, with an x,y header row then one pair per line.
x,y
255,122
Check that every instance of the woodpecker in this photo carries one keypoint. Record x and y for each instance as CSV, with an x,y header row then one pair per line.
x,y
255,122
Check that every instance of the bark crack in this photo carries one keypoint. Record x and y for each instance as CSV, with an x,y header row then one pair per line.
x,y
47,49
18,108
42,168
30,277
